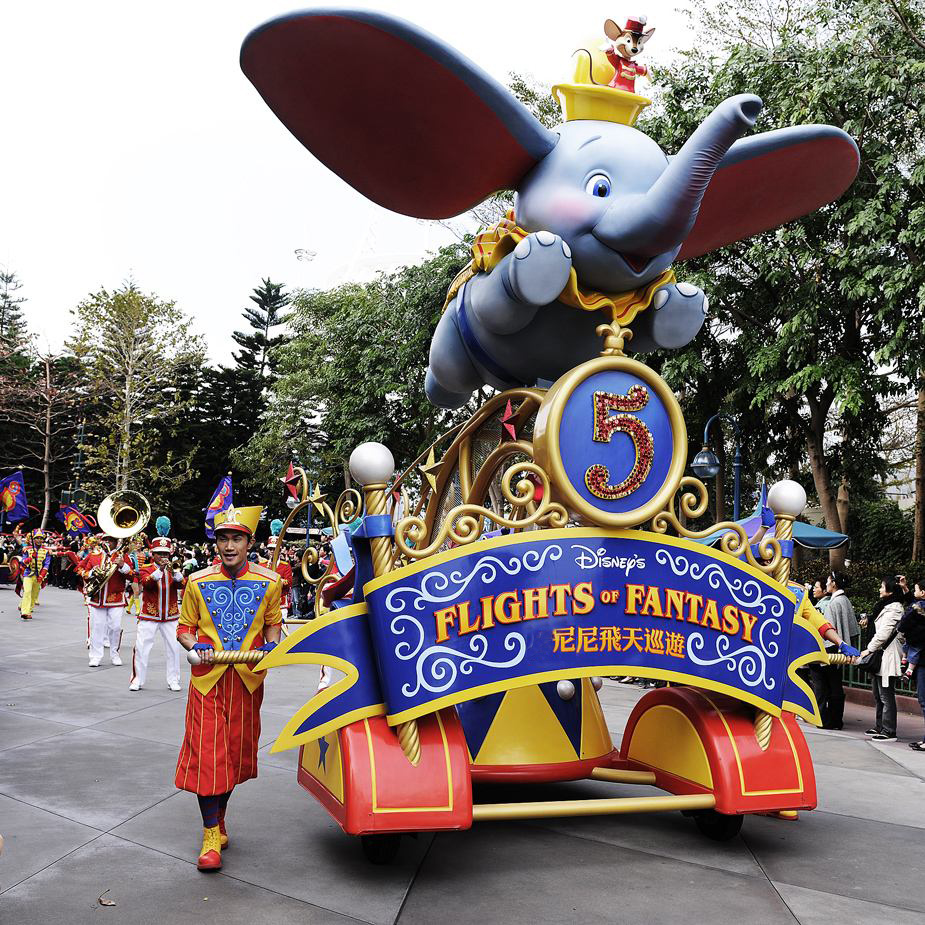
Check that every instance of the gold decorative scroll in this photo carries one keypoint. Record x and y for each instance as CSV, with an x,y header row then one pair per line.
x,y
735,542
465,523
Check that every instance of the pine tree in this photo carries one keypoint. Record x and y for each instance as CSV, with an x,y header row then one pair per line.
x,y
13,332
255,355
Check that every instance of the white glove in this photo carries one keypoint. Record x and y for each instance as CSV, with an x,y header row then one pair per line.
x,y
177,575
157,574
125,568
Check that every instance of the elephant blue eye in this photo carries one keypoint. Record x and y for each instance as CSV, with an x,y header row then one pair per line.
x,y
598,185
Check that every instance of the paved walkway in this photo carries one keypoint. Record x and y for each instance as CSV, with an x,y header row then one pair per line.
x,y
87,805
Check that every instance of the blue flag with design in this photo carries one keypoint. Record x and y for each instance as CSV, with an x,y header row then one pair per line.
x,y
73,520
13,503
221,500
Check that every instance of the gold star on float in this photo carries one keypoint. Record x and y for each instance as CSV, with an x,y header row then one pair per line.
x,y
430,469
317,499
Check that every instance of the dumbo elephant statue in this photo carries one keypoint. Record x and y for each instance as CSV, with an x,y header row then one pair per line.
x,y
600,212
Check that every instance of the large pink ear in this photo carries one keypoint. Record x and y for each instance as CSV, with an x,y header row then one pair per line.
x,y
399,115
769,179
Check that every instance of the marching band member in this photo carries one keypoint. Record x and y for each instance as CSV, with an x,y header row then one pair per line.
x,y
107,606
234,605
36,560
159,582
140,557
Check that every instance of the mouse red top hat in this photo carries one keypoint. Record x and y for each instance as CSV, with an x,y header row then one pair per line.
x,y
634,24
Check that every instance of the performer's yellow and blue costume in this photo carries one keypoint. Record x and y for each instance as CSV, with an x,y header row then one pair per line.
x,y
36,561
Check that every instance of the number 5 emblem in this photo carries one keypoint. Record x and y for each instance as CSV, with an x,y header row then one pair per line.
x,y
611,436
606,424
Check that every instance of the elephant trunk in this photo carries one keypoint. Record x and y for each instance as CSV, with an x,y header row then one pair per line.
x,y
659,221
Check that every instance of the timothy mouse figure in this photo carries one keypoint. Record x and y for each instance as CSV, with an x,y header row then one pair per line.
x,y
600,214
623,47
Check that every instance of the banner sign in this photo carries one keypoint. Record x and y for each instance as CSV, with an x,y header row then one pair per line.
x,y
13,503
73,520
222,499
546,605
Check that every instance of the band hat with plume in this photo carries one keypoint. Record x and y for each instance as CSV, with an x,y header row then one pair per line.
x,y
162,544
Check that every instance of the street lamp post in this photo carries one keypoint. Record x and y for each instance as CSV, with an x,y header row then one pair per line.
x,y
706,463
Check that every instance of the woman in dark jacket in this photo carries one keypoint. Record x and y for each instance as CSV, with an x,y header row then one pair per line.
x,y
912,629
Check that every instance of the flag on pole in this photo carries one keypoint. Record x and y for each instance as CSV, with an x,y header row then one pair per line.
x,y
73,520
13,497
221,501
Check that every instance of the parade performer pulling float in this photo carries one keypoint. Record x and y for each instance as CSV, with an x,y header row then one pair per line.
x,y
467,658
230,618
159,581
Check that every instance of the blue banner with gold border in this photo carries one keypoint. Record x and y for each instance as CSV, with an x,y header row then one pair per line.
x,y
552,604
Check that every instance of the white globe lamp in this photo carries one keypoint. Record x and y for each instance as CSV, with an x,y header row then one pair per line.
x,y
372,464
787,498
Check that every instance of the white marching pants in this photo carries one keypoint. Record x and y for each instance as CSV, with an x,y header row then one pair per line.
x,y
144,640
105,623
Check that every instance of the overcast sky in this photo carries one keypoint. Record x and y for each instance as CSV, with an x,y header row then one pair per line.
x,y
133,146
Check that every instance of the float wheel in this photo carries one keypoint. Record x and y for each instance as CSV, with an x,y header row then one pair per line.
x,y
380,849
717,826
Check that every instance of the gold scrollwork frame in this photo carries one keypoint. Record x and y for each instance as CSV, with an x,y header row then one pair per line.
x,y
546,444
734,542
464,523
348,505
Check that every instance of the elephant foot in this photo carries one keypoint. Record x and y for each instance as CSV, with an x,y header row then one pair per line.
x,y
540,268
673,319
440,397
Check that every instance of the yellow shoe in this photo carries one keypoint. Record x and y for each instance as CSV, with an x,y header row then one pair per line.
x,y
224,834
210,858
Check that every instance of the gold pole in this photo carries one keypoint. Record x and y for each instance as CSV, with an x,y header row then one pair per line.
x,y
236,657
381,550
623,777
784,532
558,808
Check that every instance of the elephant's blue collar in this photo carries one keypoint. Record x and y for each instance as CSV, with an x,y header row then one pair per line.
x,y
475,350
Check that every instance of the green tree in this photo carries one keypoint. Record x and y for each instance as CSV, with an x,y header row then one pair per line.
x,y
354,371
136,349
256,353
825,315
39,412
14,334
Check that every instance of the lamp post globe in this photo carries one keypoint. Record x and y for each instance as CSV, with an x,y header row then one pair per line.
x,y
372,464
706,464
787,497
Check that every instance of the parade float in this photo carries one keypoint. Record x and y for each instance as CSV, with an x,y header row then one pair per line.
x,y
543,544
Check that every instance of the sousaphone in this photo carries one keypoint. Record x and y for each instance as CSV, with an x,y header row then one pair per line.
x,y
121,515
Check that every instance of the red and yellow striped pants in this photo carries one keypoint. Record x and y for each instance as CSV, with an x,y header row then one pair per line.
x,y
222,731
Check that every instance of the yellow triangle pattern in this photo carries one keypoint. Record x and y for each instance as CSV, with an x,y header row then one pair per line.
x,y
525,731
595,736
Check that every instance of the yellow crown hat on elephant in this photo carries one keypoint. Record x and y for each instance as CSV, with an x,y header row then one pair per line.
x,y
601,212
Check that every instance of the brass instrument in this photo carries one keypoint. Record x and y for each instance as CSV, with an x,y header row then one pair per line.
x,y
121,515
